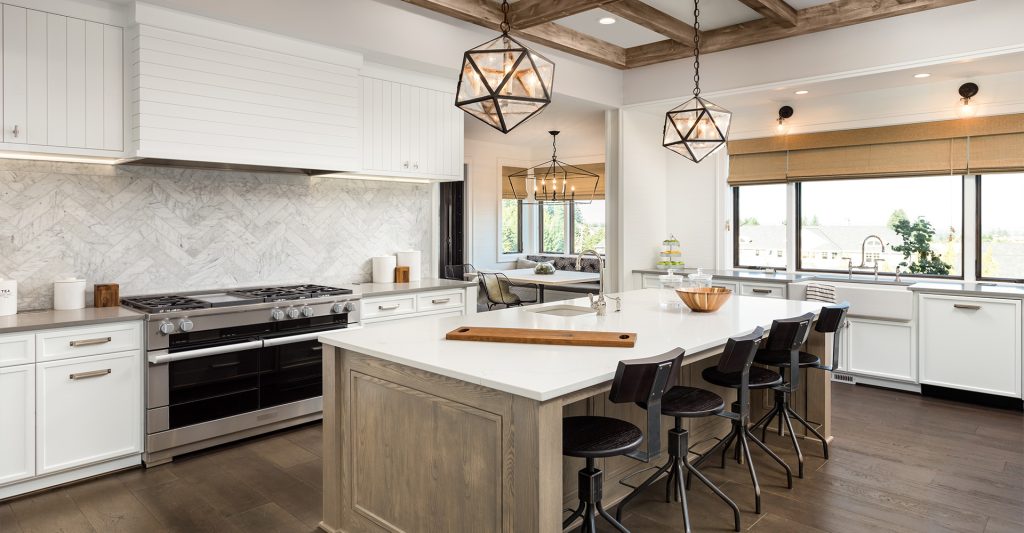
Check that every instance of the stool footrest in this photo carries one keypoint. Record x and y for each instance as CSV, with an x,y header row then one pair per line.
x,y
718,440
624,480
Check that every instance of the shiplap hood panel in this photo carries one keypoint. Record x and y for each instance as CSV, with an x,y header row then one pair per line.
x,y
207,92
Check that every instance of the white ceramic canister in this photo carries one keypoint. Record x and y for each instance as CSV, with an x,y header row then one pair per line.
x,y
412,259
68,294
8,297
384,269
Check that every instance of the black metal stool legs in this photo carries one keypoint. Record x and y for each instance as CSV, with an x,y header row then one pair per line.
x,y
591,483
678,450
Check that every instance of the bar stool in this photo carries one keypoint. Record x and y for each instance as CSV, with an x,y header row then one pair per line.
x,y
831,319
735,369
594,437
684,402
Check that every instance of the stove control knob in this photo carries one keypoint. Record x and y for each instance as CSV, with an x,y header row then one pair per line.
x,y
307,311
349,307
276,314
346,307
293,312
166,328
185,324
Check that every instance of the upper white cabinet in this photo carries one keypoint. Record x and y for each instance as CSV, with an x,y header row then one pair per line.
x,y
63,84
970,343
411,130
210,91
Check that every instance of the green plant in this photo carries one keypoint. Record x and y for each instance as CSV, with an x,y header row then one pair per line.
x,y
917,242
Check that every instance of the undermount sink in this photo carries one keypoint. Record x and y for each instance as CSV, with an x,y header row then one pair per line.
x,y
561,310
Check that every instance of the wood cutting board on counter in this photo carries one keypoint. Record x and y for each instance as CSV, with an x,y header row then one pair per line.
x,y
562,337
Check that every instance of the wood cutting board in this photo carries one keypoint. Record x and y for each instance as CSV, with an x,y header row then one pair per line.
x,y
562,337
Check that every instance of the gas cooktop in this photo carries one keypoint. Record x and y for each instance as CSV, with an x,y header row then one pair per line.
x,y
166,303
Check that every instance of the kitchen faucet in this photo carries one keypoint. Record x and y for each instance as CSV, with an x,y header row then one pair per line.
x,y
599,304
864,244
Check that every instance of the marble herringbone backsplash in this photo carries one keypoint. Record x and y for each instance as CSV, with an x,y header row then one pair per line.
x,y
160,229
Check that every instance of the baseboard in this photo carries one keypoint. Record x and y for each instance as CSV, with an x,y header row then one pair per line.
x,y
977,398
27,486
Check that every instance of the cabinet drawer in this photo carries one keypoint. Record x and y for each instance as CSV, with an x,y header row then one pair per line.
x,y
398,305
440,300
17,349
970,343
88,340
734,287
764,290
88,409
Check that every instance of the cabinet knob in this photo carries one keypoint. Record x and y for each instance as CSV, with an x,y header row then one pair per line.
x,y
405,164
416,166
15,131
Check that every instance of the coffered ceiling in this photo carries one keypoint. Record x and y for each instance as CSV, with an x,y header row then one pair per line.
x,y
653,31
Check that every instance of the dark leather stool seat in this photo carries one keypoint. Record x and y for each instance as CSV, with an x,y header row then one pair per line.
x,y
690,402
599,436
760,378
780,358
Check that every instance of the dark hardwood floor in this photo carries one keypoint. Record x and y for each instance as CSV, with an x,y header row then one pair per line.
x,y
900,463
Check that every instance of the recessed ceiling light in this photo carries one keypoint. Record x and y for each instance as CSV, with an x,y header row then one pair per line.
x,y
801,91
606,20
922,75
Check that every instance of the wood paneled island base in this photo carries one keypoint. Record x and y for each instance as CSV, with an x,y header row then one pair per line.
x,y
408,449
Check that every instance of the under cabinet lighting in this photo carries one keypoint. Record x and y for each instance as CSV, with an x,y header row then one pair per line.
x,y
802,92
606,20
347,176
58,158
922,75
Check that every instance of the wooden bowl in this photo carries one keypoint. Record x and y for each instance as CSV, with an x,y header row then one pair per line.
x,y
704,300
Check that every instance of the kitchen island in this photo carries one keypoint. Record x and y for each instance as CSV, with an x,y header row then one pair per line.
x,y
426,434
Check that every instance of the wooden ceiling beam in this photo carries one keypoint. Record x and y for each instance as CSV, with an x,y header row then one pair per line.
x,y
778,11
527,13
488,14
813,19
653,19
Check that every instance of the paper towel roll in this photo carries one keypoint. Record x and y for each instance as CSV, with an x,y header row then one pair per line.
x,y
413,260
69,294
8,297
384,269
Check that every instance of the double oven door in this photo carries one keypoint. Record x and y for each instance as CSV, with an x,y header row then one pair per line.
x,y
244,369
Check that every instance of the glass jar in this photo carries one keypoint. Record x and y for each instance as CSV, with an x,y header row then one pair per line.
x,y
700,280
668,283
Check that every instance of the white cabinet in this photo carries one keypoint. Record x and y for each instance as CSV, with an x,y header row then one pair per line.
x,y
17,423
411,131
89,409
17,349
765,290
881,349
63,83
970,343
449,302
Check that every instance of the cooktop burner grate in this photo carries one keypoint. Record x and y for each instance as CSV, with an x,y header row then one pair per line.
x,y
292,292
163,304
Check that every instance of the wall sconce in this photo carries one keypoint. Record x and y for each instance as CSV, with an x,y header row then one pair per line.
x,y
967,91
784,113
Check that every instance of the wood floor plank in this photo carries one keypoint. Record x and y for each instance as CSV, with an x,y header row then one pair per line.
x,y
310,437
220,487
300,499
8,522
111,507
1003,526
46,512
281,451
268,518
178,506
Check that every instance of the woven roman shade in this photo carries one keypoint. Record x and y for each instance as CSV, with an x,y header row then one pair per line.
x,y
506,185
983,144
585,187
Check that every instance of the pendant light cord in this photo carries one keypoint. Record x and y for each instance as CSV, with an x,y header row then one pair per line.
x,y
505,26
696,48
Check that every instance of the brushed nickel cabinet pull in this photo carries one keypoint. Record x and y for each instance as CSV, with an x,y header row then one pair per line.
x,y
90,342
388,307
762,291
440,300
90,374
966,306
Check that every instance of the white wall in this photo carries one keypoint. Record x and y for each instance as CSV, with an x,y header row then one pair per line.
x,y
643,191
483,189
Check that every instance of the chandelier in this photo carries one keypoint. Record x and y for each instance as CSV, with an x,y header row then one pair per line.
x,y
555,181
696,128
503,83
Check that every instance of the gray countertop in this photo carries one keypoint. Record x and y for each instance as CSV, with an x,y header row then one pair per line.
x,y
49,318
743,275
367,290
990,290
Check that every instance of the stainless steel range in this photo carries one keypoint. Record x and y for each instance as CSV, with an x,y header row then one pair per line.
x,y
226,365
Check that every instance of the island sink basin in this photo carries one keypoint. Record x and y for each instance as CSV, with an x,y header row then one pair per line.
x,y
561,310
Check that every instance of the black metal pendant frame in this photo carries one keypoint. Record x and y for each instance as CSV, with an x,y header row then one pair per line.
x,y
685,138
494,93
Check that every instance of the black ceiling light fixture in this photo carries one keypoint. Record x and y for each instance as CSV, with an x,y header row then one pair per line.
x,y
697,128
503,83
967,91
785,112
555,181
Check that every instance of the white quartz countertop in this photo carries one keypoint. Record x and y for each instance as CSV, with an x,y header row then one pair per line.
x,y
51,318
543,372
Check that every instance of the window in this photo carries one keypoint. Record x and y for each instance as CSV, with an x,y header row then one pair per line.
x,y
511,226
759,215
918,223
1000,227
588,226
553,229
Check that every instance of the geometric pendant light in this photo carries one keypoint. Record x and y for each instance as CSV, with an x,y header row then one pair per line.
x,y
696,128
503,83
555,182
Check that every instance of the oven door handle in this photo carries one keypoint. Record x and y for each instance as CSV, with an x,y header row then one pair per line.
x,y
278,341
159,358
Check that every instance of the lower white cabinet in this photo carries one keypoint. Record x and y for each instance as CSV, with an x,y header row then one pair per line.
x,y
89,410
449,302
971,343
17,423
881,349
